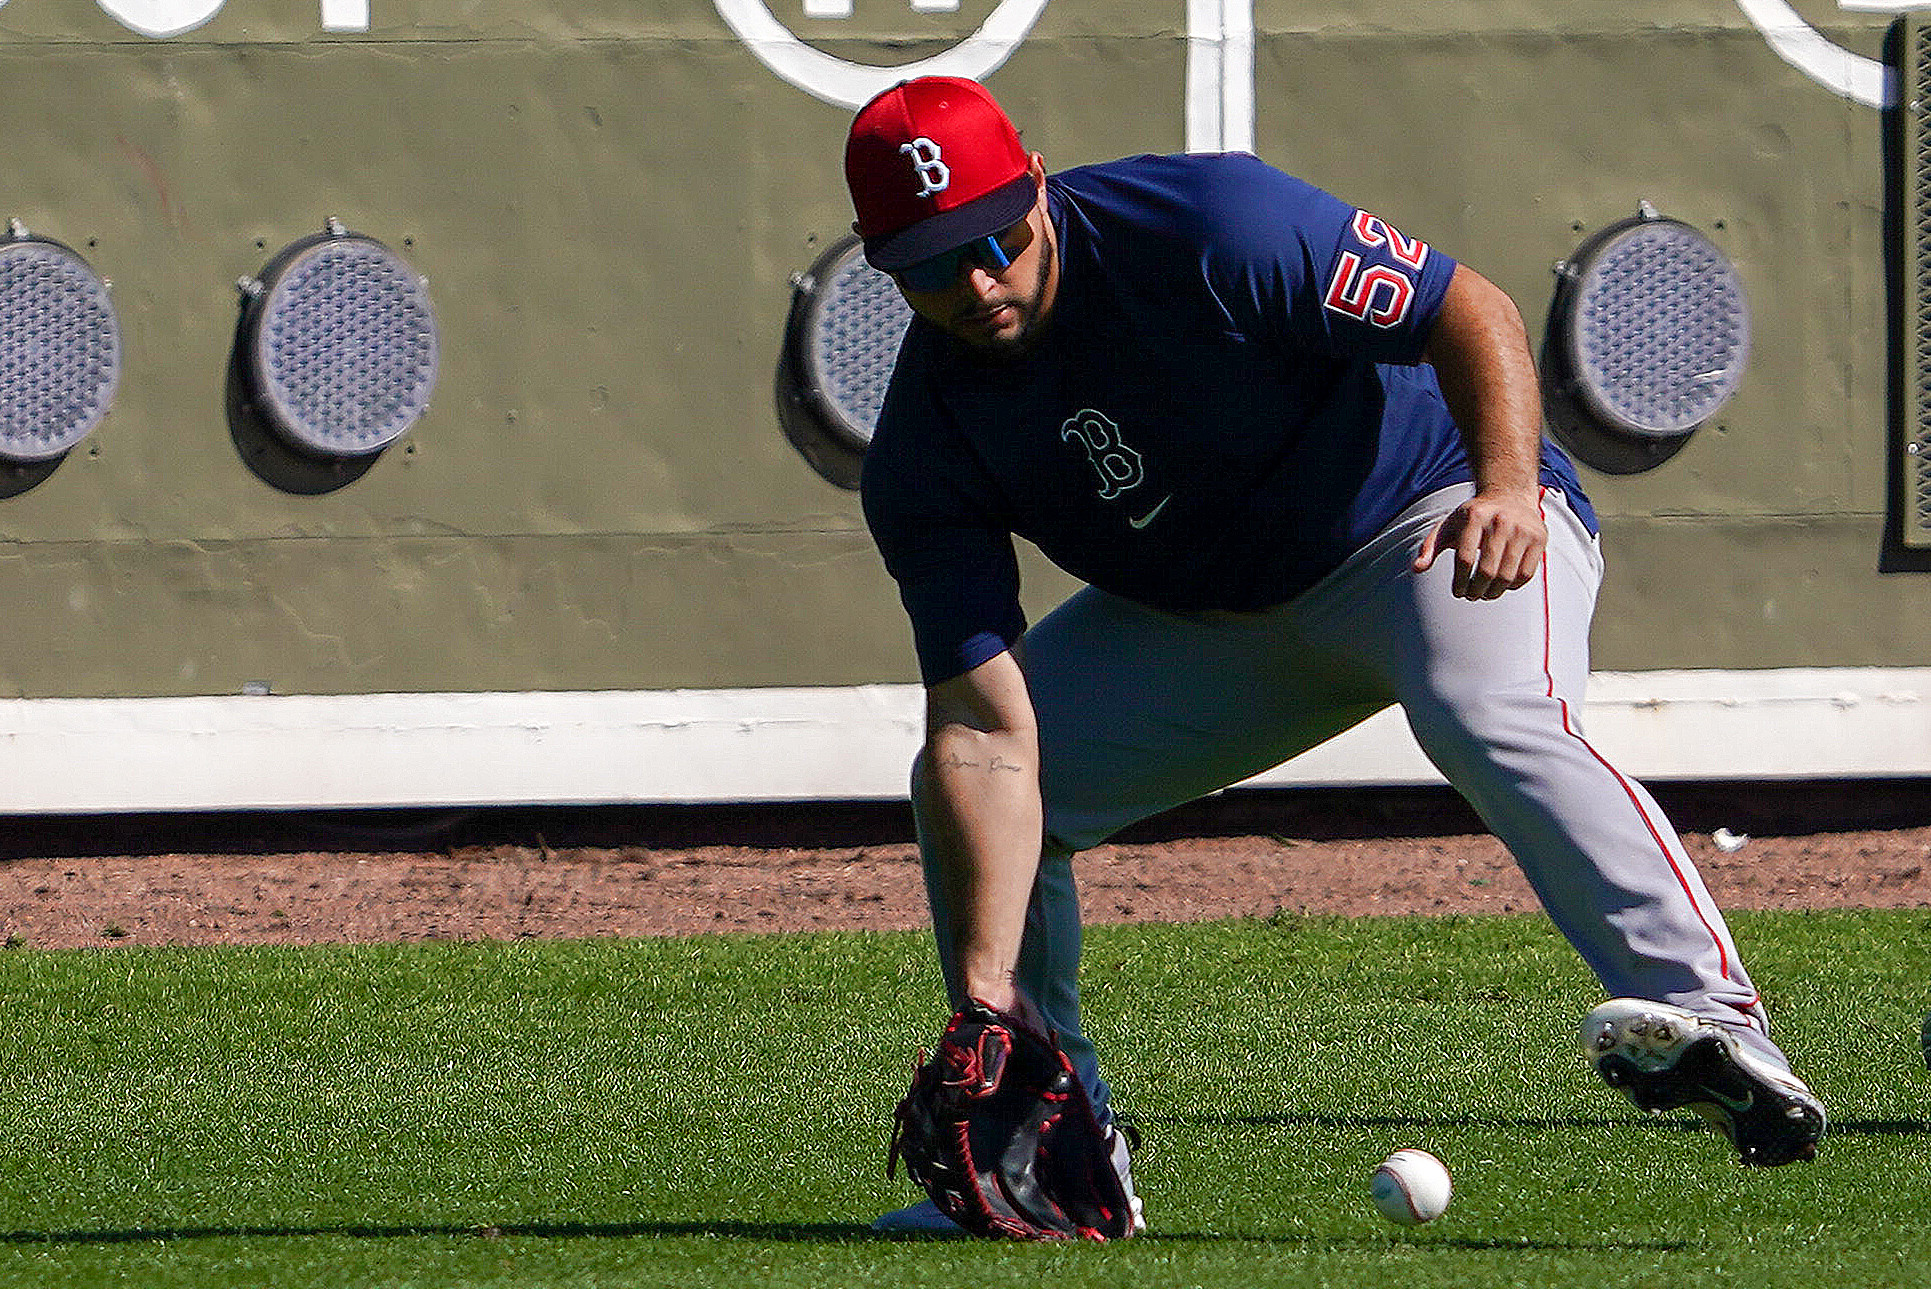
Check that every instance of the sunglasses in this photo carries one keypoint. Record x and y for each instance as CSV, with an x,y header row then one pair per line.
x,y
994,253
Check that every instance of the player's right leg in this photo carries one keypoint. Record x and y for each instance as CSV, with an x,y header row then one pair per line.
x,y
1140,711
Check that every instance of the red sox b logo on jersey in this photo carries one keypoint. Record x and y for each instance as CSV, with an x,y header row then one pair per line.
x,y
1118,465
1379,294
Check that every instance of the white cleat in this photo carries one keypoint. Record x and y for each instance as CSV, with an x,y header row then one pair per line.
x,y
922,1218
1666,1058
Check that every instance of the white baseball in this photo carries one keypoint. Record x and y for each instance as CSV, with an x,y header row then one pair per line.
x,y
1411,1187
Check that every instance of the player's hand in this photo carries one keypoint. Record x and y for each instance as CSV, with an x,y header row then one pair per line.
x,y
1498,543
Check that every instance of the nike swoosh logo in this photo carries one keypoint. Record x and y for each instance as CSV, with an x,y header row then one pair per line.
x,y
1151,515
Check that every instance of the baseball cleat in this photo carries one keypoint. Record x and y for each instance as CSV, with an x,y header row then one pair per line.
x,y
1665,1058
924,1217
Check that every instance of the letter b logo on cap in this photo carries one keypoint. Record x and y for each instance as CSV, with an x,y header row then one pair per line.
x,y
932,172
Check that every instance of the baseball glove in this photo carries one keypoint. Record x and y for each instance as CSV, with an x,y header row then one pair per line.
x,y
998,1130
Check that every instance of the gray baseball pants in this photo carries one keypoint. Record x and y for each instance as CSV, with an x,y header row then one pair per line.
x,y
1140,711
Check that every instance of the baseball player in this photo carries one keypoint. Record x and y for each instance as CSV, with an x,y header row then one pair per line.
x,y
1296,455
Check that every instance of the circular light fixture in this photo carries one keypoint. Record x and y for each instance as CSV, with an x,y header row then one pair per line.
x,y
340,344
1650,332
60,348
847,324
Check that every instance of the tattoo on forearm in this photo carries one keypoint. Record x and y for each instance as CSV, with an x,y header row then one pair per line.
x,y
953,761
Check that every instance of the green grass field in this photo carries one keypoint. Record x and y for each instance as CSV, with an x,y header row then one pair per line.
x,y
712,1111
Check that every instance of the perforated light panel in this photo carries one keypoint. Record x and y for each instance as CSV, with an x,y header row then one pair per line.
x,y
1658,329
851,337
60,350
343,346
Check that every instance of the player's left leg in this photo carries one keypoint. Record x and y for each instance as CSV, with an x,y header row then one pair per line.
x,y
1493,691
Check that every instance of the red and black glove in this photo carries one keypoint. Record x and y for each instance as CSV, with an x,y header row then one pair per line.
x,y
999,1131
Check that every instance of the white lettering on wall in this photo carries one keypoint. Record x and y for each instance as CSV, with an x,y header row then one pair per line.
x,y
846,84
1852,76
164,18
160,17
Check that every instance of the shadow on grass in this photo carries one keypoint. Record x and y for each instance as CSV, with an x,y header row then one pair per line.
x,y
1676,1122
1878,1128
856,1233
1542,1124
1318,1241
776,1232
781,1232
1430,1239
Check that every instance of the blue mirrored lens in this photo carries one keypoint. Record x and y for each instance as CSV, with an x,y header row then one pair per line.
x,y
942,270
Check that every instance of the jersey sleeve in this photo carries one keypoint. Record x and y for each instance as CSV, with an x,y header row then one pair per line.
x,y
940,534
1302,268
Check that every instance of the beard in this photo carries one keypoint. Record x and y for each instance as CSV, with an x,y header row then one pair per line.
x,y
1029,314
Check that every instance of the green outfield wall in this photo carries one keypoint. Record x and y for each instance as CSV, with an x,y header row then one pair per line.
x,y
609,202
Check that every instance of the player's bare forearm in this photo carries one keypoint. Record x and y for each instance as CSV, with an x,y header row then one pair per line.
x,y
1480,352
984,818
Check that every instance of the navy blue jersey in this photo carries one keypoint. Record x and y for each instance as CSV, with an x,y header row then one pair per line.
x,y
1226,401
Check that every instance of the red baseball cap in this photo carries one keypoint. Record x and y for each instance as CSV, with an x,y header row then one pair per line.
x,y
932,164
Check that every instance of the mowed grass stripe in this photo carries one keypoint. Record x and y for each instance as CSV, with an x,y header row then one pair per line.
x,y
712,1111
